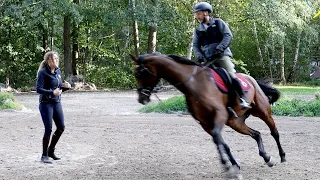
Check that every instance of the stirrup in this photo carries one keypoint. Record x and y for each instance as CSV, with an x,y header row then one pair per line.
x,y
244,104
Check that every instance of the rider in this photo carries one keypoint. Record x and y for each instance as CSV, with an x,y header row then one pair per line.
x,y
211,43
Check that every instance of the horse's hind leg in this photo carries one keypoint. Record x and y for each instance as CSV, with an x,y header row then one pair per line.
x,y
276,136
240,126
267,118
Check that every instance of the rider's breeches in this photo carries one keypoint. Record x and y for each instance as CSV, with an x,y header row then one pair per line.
x,y
49,112
226,63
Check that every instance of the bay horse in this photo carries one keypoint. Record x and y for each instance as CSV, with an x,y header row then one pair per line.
x,y
207,104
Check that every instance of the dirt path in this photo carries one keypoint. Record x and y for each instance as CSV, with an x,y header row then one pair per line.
x,y
106,138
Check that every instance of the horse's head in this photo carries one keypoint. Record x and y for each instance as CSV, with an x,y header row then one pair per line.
x,y
146,76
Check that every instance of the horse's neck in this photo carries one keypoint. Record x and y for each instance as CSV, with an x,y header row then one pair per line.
x,y
176,74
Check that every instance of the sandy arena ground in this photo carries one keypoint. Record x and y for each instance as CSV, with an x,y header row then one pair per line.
x,y
106,138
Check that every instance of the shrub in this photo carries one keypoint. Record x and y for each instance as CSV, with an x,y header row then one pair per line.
x,y
8,101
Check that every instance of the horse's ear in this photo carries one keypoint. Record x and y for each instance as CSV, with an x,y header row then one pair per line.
x,y
135,59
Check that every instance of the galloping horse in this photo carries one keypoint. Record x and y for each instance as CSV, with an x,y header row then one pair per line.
x,y
207,104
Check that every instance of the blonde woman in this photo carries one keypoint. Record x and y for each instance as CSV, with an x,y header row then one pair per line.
x,y
50,87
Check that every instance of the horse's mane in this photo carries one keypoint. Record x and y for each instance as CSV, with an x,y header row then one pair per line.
x,y
176,58
182,60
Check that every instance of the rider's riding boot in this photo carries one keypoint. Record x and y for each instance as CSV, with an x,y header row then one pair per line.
x,y
45,143
243,100
53,143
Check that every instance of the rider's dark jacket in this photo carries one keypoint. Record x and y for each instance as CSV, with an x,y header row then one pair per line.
x,y
209,37
47,82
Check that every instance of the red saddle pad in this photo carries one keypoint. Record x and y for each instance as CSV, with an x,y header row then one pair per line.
x,y
222,86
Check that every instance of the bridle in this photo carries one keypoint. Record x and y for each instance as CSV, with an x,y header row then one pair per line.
x,y
144,90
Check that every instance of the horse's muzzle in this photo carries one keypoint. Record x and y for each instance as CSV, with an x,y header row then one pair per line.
x,y
143,99
144,95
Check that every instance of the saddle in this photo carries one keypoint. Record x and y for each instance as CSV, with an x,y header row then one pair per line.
x,y
224,83
223,80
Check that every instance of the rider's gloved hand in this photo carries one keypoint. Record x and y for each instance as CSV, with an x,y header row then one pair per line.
x,y
201,59
219,52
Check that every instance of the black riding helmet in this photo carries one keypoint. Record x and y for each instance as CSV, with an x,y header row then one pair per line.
x,y
202,6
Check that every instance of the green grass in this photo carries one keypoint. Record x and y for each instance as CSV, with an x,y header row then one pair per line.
x,y
297,107
298,90
8,101
173,105
284,106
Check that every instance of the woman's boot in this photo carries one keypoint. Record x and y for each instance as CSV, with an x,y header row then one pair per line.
x,y
45,143
54,140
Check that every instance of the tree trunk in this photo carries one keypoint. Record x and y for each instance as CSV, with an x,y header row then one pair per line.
x,y
135,29
255,33
8,69
84,63
283,79
67,51
44,38
190,47
152,39
44,33
273,55
295,60
126,43
52,34
75,46
270,65
75,49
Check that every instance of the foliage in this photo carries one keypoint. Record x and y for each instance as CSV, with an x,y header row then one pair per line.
x,y
105,36
297,107
8,101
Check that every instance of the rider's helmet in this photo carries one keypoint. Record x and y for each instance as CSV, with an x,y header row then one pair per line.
x,y
202,6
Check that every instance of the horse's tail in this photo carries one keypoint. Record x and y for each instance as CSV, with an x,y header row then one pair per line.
x,y
272,93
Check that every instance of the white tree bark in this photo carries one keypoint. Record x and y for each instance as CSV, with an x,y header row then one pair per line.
x,y
135,29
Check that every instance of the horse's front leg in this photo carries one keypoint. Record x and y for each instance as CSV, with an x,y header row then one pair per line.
x,y
225,153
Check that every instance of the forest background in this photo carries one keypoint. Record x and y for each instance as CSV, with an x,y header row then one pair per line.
x,y
277,40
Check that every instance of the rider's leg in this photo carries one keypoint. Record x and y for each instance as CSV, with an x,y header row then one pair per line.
x,y
226,63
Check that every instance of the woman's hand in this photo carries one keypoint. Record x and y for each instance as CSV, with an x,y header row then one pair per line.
x,y
57,92
66,85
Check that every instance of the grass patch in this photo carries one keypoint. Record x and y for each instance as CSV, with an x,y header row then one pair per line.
x,y
297,107
298,90
283,107
175,104
8,101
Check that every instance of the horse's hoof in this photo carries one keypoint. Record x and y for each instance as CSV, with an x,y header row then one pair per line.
x,y
226,167
270,163
239,177
283,160
234,172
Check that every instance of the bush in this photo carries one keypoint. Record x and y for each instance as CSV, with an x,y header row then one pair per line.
x,y
297,107
8,101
